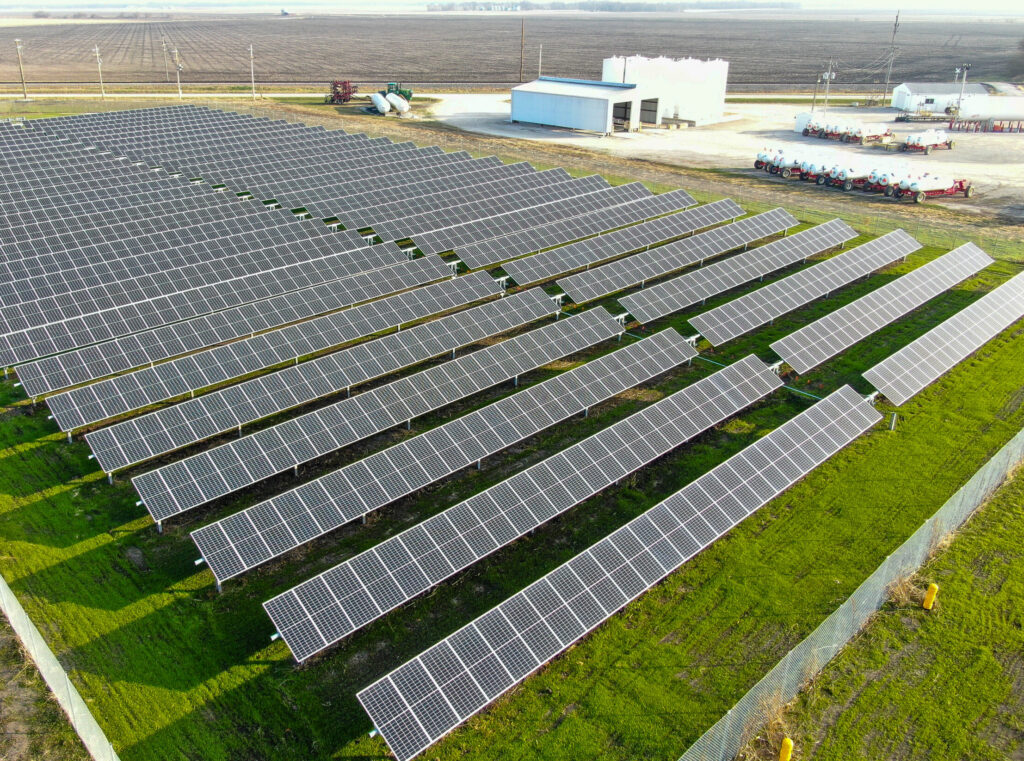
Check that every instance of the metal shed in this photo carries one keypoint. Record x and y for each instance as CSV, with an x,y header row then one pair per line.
x,y
584,104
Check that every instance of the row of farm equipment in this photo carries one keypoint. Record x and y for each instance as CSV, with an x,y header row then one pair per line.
x,y
830,169
852,132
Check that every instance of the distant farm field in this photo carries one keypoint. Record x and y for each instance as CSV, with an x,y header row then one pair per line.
x,y
761,49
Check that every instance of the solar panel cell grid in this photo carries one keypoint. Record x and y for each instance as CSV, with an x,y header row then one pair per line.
x,y
616,570
914,367
637,269
344,495
688,289
484,253
185,484
547,264
133,441
125,393
533,496
824,338
765,304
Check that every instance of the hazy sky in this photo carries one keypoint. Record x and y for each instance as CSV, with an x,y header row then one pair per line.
x,y
1003,7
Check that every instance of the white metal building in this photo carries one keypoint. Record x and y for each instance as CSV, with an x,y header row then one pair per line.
x,y
689,89
584,104
933,96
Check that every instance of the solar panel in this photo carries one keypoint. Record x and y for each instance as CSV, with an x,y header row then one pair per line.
x,y
584,253
483,253
470,232
319,612
211,367
639,268
824,338
485,208
165,430
93,362
693,287
429,696
247,539
187,483
765,304
919,364
310,262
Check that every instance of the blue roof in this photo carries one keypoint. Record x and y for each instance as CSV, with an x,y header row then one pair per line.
x,y
596,82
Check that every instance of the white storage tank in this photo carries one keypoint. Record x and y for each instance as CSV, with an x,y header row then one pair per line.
x,y
690,89
401,105
380,102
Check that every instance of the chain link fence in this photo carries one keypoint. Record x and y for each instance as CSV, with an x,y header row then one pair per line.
x,y
777,688
56,678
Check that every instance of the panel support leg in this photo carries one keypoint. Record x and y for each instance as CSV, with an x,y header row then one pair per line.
x,y
478,464
110,478
363,519
586,412
408,425
69,437
159,527
515,382
453,353
296,469
220,589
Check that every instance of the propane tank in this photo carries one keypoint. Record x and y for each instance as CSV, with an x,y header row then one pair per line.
x,y
929,183
380,102
401,104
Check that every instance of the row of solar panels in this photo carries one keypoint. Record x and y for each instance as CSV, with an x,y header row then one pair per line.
x,y
535,626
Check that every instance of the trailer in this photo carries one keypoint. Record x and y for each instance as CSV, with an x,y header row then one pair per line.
x,y
926,142
865,137
920,193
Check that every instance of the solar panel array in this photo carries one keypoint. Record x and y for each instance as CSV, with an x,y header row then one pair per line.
x,y
319,612
436,196
187,483
639,268
165,430
693,287
210,367
808,347
247,539
309,267
760,307
493,227
93,362
427,697
584,253
920,363
487,252
409,225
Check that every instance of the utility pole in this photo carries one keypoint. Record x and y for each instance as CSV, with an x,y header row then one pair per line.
x,y
892,57
963,86
177,70
99,68
814,100
252,70
829,76
540,60
21,68
522,49
167,71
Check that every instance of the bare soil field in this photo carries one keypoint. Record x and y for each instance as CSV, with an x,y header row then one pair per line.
x,y
762,49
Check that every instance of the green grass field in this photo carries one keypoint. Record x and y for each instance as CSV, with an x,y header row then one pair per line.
x,y
944,685
172,670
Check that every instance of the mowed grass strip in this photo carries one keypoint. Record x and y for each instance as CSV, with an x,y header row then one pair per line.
x,y
174,671
942,685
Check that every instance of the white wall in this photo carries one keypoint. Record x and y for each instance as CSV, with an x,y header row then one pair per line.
x,y
904,100
686,88
562,111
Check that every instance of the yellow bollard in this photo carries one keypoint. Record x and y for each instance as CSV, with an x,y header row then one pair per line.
x,y
786,751
929,596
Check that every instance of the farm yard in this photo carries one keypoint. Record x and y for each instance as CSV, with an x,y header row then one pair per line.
x,y
172,669
779,50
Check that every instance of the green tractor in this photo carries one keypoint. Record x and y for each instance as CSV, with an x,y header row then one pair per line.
x,y
397,89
